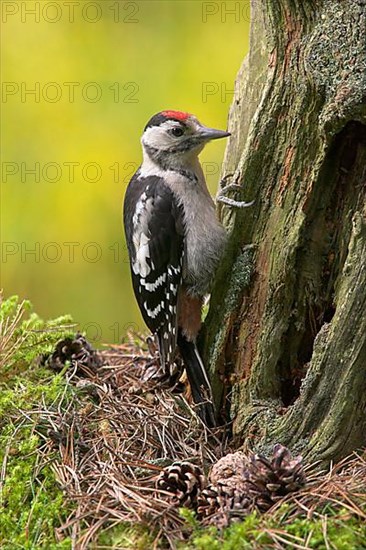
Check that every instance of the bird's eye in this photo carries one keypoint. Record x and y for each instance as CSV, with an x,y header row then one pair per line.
x,y
177,132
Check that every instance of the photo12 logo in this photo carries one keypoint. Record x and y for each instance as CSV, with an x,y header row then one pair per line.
x,y
116,332
219,90
69,251
226,12
68,92
66,172
69,11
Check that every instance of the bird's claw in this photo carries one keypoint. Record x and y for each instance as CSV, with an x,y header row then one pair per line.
x,y
234,203
227,200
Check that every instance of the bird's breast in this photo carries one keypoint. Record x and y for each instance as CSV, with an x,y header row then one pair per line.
x,y
205,242
205,237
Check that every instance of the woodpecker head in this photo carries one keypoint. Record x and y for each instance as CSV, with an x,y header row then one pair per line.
x,y
174,137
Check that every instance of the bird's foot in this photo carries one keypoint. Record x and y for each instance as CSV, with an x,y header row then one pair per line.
x,y
168,378
231,187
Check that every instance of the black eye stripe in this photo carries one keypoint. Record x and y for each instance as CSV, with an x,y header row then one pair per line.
x,y
159,119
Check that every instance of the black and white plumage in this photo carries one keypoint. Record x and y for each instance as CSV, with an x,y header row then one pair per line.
x,y
175,241
155,239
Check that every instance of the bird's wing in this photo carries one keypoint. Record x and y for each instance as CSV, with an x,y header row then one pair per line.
x,y
155,237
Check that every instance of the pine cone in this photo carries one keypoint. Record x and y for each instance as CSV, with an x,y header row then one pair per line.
x,y
270,480
222,498
226,498
229,468
184,481
208,501
77,350
239,484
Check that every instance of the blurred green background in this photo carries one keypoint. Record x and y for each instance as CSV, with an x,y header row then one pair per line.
x,y
98,71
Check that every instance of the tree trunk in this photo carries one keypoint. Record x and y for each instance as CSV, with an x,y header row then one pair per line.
x,y
285,336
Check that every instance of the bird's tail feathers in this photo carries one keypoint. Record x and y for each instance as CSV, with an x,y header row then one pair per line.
x,y
167,350
198,379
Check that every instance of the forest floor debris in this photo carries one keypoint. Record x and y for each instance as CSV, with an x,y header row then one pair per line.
x,y
117,436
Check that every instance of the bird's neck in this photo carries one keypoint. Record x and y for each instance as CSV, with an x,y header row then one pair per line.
x,y
156,163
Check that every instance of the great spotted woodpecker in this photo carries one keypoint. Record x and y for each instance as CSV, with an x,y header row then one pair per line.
x,y
175,241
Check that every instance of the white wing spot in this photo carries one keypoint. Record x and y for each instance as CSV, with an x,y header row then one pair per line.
x,y
173,288
152,312
139,208
141,243
151,287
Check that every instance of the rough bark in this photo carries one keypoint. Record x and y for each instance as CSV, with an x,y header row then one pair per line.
x,y
285,336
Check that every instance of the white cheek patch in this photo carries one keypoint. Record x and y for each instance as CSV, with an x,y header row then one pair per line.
x,y
157,137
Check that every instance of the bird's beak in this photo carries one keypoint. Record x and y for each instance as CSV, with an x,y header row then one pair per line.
x,y
208,134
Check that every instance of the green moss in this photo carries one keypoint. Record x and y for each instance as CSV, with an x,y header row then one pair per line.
x,y
336,530
239,280
24,335
32,505
236,537
341,531
125,536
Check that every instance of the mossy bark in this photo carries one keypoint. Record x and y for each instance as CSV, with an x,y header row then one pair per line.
x,y
285,336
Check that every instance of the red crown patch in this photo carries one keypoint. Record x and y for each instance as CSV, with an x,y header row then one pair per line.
x,y
176,114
